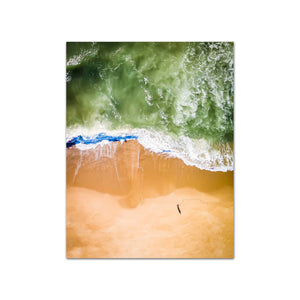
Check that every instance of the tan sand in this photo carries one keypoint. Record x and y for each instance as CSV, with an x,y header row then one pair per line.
x,y
121,203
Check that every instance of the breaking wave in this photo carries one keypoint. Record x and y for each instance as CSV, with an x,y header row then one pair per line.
x,y
194,152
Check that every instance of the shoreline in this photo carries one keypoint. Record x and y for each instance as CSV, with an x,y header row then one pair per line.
x,y
120,168
213,158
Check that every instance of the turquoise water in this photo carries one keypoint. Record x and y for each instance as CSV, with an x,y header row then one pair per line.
x,y
176,92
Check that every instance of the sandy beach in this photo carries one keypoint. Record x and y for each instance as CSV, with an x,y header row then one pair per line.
x,y
121,203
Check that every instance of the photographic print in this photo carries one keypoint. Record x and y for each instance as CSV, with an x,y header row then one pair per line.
x,y
150,150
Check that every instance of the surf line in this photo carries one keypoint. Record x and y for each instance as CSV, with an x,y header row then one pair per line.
x,y
98,138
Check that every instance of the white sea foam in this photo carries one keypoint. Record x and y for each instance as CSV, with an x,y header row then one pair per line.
x,y
193,152
77,59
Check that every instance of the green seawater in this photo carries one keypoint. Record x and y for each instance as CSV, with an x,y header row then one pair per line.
x,y
180,89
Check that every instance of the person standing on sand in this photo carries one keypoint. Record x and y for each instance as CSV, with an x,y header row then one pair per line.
x,y
178,208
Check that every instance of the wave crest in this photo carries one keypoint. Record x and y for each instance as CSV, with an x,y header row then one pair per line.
x,y
194,152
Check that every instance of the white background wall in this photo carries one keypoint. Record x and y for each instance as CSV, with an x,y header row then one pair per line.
x,y
32,119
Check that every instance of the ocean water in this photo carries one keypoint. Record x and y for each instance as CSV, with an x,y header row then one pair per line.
x,y
174,98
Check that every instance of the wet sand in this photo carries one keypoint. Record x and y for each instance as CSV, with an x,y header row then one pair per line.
x,y
121,203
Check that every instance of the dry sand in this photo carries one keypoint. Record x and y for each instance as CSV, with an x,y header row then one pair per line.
x,y
121,203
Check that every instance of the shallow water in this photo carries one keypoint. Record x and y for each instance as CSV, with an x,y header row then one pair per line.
x,y
181,93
